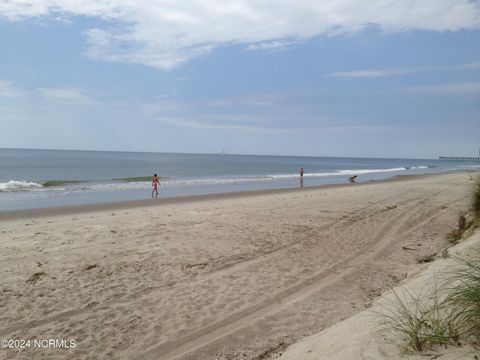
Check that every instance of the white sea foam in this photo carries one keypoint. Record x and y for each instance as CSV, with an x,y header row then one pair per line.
x,y
370,171
16,185
470,166
140,185
218,181
346,172
132,185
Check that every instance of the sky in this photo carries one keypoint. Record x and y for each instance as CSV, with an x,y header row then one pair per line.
x,y
376,78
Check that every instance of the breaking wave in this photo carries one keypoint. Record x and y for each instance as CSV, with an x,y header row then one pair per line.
x,y
16,185
52,183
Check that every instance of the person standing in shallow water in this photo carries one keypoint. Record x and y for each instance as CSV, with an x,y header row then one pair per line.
x,y
155,183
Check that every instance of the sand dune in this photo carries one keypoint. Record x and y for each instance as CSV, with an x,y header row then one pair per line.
x,y
361,336
218,278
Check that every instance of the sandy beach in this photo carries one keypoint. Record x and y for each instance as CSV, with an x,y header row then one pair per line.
x,y
215,277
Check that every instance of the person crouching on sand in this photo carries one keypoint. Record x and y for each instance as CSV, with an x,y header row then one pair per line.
x,y
155,183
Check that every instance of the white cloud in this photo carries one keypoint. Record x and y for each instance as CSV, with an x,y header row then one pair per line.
x,y
447,89
272,45
162,106
400,71
250,100
7,89
8,114
63,94
371,73
224,122
165,33
470,66
358,73
263,112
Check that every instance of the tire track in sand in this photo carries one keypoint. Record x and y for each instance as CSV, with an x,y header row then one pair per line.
x,y
235,266
325,278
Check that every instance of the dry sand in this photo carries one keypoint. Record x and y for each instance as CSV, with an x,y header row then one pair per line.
x,y
362,337
216,277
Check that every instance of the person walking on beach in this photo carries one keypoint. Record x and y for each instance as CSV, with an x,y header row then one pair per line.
x,y
155,183
301,173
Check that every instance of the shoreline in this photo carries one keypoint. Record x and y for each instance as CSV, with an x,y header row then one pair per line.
x,y
132,204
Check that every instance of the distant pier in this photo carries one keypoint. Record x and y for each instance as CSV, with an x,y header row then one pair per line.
x,y
459,158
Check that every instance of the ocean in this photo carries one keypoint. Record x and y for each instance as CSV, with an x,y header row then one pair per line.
x,y
50,178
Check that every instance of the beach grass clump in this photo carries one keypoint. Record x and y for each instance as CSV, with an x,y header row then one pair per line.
x,y
475,200
464,298
456,234
418,321
442,315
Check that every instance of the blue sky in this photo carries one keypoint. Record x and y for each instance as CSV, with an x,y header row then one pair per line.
x,y
372,78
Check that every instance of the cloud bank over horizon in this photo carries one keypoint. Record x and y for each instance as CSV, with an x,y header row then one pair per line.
x,y
165,34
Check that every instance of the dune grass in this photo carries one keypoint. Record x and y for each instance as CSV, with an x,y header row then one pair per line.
x,y
418,321
464,297
442,315
456,234
475,199
450,310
